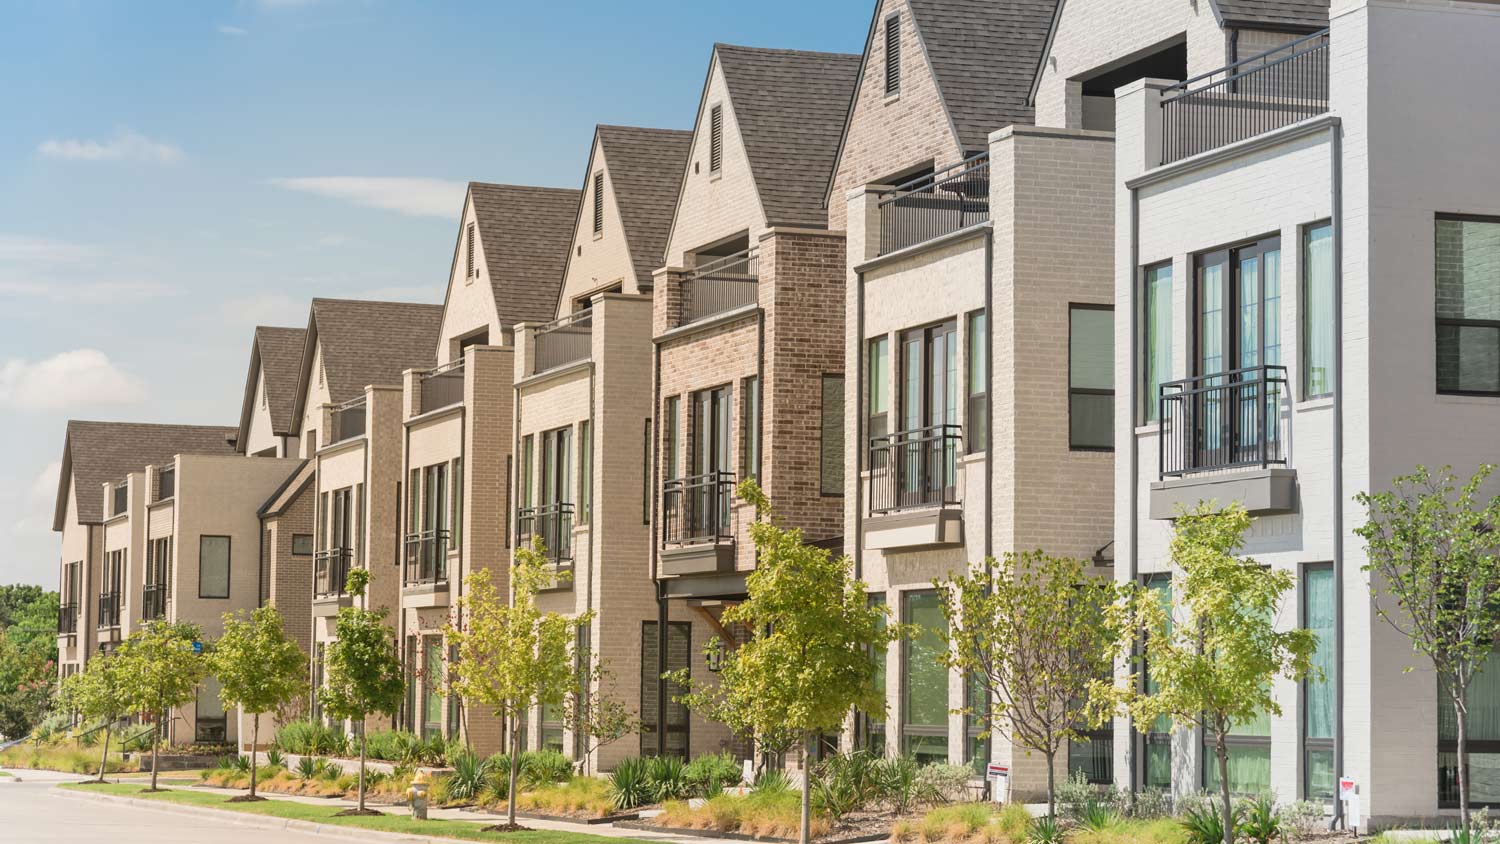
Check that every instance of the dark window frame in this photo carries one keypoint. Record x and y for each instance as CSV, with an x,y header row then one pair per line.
x,y
904,728
976,396
1230,257
297,538
1439,322
1307,744
1304,327
228,566
1149,411
1086,391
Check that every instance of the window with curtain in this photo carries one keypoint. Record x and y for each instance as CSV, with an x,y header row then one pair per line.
x,y
976,748
870,727
1468,305
585,471
831,440
1317,311
924,680
1317,691
432,687
552,727
213,567
878,389
1156,338
1091,377
1483,740
1156,758
977,417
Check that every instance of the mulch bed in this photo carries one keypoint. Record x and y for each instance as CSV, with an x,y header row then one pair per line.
x,y
358,813
854,830
584,819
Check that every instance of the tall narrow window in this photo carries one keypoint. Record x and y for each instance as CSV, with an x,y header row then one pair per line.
x,y
878,389
893,55
598,203
646,471
669,440
1317,690
831,444
870,727
585,471
679,657
469,251
210,721
213,567
716,139
1483,739
456,512
1468,305
750,410
977,702
413,502
1156,338
432,687
1091,377
1317,311
924,680
977,421
1156,758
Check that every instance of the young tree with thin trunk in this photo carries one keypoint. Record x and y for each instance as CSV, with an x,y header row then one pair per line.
x,y
364,675
162,665
1039,634
591,713
98,693
512,656
258,668
1214,653
808,661
1434,558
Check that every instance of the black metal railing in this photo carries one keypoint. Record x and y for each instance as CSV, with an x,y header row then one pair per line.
x,y
696,510
442,386
563,341
1250,97
67,619
166,483
153,601
119,496
426,558
1226,420
720,285
953,198
916,468
349,420
553,524
330,572
109,609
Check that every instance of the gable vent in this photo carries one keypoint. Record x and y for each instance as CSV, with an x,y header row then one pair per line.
x,y
893,55
469,251
598,203
716,139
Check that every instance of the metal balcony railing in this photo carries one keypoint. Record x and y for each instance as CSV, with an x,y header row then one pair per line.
x,y
349,420
915,468
426,558
563,341
109,609
330,572
67,619
953,198
553,524
721,285
1250,97
118,499
1227,420
166,483
442,386
696,510
153,601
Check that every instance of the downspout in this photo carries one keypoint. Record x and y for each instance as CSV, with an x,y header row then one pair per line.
x,y
401,522
661,592
1133,567
1336,153
989,393
860,410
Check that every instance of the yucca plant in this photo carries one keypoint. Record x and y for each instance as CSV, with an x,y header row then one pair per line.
x,y
1260,821
469,774
1204,824
1044,830
1097,816
308,767
668,778
275,758
771,781
629,785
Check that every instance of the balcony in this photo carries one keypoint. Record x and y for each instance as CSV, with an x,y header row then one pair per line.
x,y
109,610
166,483
563,341
349,420
1223,437
720,286
440,387
914,489
697,532
944,202
425,567
67,619
153,601
1251,97
119,498
331,572
553,525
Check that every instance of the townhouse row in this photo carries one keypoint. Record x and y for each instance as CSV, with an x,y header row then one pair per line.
x,y
1023,274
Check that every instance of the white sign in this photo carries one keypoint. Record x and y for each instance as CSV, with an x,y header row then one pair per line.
x,y
996,771
1348,788
1349,794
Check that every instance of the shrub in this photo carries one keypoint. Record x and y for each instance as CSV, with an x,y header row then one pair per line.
x,y
1156,831
1304,817
469,776
1259,820
1148,803
710,773
845,783
1044,830
769,813
667,778
311,738
901,784
589,796
944,783
275,757
1097,817
241,764
771,781
1203,823
1074,793
544,767
629,785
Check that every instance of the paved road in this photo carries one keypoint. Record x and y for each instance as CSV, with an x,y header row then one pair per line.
x,y
31,813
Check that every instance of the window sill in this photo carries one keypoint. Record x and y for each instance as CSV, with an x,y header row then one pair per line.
x,y
891,99
1479,399
1150,429
1313,404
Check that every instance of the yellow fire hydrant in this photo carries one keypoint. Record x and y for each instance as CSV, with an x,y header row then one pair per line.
x,y
417,795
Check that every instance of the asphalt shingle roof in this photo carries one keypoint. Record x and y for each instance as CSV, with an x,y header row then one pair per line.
x,y
95,453
645,168
1298,13
367,343
525,232
280,351
790,106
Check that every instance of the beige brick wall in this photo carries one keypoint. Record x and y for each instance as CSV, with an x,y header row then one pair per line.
x,y
289,577
598,260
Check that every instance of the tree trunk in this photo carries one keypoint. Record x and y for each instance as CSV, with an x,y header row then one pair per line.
x,y
515,768
1462,713
104,760
254,745
1227,810
156,749
361,766
1051,784
804,829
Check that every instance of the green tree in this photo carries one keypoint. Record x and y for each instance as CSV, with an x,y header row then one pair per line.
x,y
597,717
1039,634
1434,559
511,655
258,668
28,657
162,664
1214,655
808,661
15,597
363,672
98,693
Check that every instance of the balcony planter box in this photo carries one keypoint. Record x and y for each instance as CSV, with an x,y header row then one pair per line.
x,y
705,558
921,528
1262,491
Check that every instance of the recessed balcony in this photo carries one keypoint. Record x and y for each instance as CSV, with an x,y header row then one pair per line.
x,y
934,205
697,525
552,524
914,489
67,619
721,285
440,387
330,579
153,601
425,569
563,341
349,420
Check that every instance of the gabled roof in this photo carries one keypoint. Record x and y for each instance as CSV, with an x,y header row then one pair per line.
x,y
366,343
525,232
95,453
274,355
790,106
1296,14
290,490
646,167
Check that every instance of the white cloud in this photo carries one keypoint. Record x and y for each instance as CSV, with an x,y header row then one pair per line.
x,y
26,249
35,507
414,197
79,377
81,293
226,29
126,145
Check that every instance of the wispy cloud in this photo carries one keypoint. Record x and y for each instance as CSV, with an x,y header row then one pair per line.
x,y
34,513
69,379
126,145
413,197
266,309
422,295
30,250
84,293
226,29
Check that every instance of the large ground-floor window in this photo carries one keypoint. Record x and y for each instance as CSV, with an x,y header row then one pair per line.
x,y
1249,759
1093,757
432,687
1156,743
869,728
679,653
1483,740
1317,690
210,724
924,679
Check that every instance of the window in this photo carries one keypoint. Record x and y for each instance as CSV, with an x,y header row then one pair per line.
x,y
1091,377
715,139
315,693
411,684
455,703
1156,758
1483,740
669,440
469,251
583,661
893,55
1317,692
1239,308
524,471
1156,338
870,727
213,567
166,483
831,444
432,687
878,388
1317,311
598,203
929,377
679,653
302,544
924,680
209,721
585,471
750,413
646,471
976,701
976,413
1468,305
711,431
456,517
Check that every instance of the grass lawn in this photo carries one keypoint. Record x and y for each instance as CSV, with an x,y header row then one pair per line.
x,y
4,773
465,830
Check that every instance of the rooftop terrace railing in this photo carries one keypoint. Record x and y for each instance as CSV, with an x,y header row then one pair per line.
x,y
349,420
441,386
563,341
166,483
721,285
929,207
1250,97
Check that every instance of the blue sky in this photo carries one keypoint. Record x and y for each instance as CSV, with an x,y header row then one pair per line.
x,y
172,174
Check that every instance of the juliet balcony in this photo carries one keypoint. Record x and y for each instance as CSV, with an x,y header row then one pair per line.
x,y
914,489
424,569
552,524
